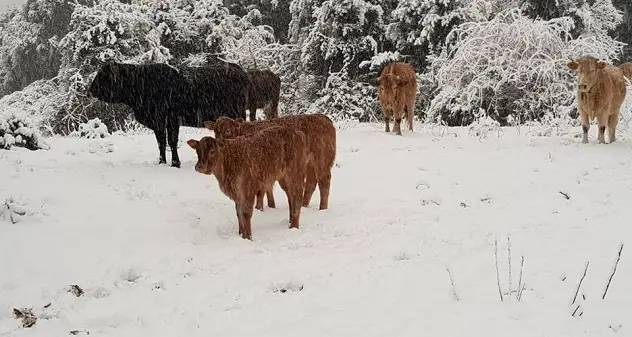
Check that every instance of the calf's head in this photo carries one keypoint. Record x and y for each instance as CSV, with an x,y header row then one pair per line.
x,y
107,83
206,149
588,68
225,127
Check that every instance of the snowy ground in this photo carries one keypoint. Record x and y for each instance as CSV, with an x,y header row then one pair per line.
x,y
157,253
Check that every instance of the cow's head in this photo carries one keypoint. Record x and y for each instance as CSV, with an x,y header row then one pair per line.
x,y
588,68
389,86
107,83
207,151
225,127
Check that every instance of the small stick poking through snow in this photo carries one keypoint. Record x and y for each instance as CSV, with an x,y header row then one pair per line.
x,y
580,283
456,296
566,195
614,270
521,286
500,292
509,261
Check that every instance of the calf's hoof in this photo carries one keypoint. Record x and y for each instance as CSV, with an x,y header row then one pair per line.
x,y
175,164
585,141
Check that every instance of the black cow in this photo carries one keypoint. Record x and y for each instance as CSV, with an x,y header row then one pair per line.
x,y
265,90
164,97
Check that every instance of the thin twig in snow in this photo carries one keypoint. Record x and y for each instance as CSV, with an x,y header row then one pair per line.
x,y
520,285
614,270
580,283
456,296
509,261
500,292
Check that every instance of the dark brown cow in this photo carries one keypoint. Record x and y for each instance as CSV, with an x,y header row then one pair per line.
x,y
264,93
397,91
600,93
321,149
243,166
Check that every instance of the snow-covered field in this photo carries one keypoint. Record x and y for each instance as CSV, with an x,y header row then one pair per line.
x,y
157,253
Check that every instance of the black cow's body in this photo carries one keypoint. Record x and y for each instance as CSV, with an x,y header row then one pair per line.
x,y
265,90
164,98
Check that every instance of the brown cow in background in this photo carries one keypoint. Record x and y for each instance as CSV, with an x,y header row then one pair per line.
x,y
397,91
626,68
600,93
246,165
321,149
264,93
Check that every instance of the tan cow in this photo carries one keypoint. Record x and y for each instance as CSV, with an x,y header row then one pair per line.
x,y
600,93
397,91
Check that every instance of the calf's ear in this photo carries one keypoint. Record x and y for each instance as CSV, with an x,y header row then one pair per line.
x,y
209,125
193,143
601,64
572,65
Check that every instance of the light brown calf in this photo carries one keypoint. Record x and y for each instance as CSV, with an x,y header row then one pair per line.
x,y
246,165
321,149
600,93
397,91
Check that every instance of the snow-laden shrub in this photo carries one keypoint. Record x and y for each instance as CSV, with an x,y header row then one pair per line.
x,y
38,102
343,99
92,129
15,209
17,130
510,65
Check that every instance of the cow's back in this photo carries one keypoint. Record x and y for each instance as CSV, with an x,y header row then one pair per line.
x,y
217,90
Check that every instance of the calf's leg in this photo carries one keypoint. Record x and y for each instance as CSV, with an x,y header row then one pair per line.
x,y
310,184
259,202
293,188
324,183
244,213
270,197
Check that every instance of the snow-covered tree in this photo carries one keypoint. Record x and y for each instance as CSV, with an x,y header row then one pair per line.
x,y
511,65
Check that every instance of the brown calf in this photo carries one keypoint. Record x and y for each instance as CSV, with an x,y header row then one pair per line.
x,y
397,91
246,165
264,93
600,93
321,149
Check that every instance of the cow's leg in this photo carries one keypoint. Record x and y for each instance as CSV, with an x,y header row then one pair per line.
x,y
387,119
161,138
311,180
270,196
173,132
602,120
585,126
324,184
613,120
398,122
253,112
